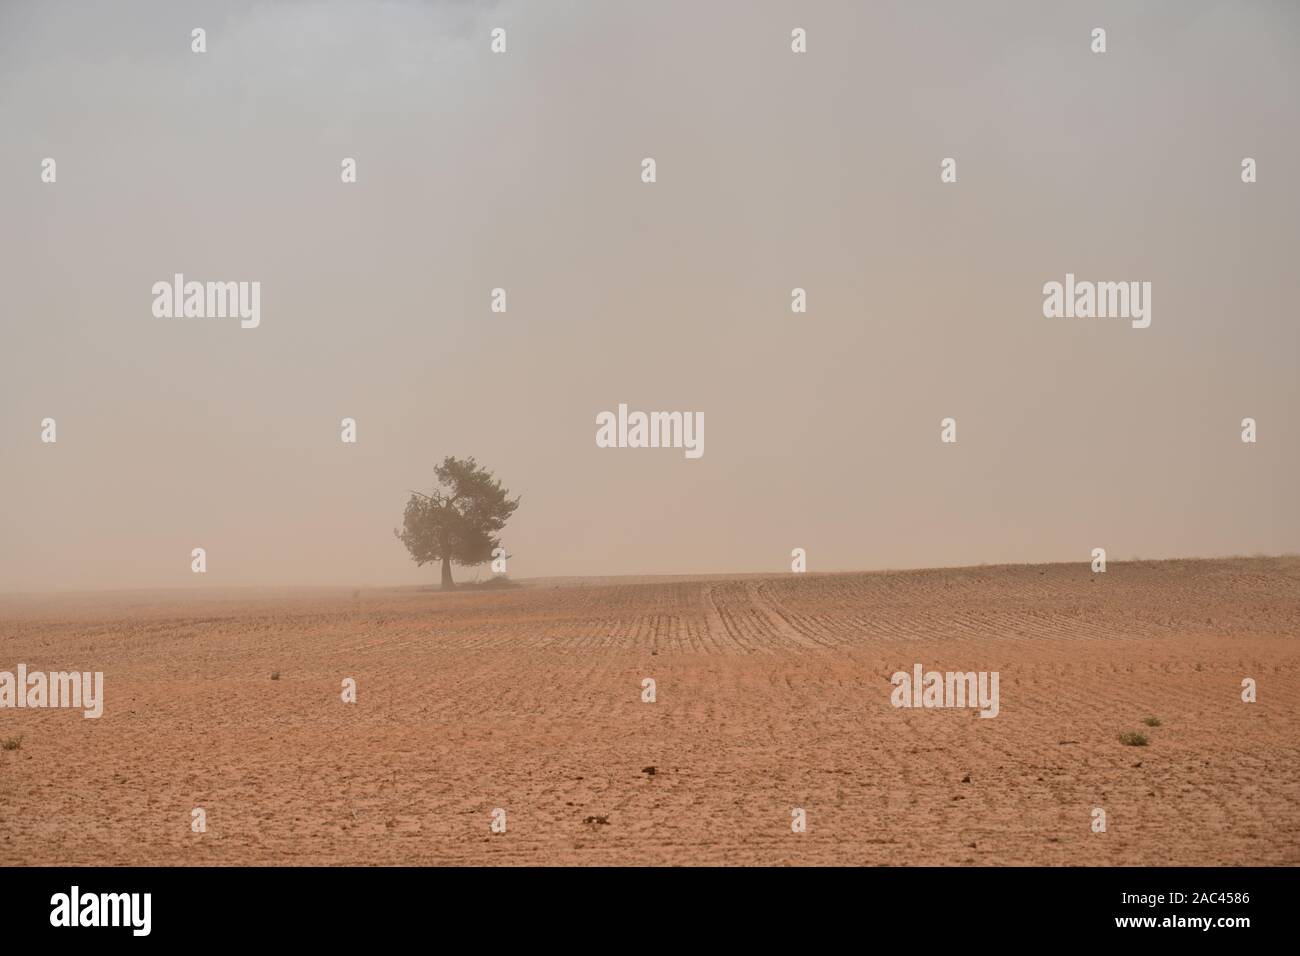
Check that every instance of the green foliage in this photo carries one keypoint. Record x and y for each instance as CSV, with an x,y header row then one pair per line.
x,y
458,521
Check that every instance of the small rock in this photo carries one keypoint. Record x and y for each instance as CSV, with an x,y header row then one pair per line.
x,y
649,770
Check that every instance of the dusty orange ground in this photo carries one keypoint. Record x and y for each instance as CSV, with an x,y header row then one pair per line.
x,y
773,692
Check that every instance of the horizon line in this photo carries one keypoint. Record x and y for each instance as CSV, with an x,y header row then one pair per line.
x,y
476,585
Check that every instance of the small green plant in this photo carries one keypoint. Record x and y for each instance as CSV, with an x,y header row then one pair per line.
x,y
1133,739
12,743
1152,721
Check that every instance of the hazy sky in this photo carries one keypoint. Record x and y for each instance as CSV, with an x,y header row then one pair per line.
x,y
775,170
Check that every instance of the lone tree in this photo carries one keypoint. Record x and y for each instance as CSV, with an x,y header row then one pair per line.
x,y
458,521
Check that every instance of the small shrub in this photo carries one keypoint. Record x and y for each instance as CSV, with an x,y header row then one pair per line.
x,y
1132,739
1152,721
12,743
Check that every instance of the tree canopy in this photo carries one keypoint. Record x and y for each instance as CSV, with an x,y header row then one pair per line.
x,y
459,520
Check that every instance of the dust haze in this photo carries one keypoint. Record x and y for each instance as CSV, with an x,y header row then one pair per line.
x,y
522,171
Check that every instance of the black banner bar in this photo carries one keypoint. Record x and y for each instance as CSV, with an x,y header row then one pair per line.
x,y
332,905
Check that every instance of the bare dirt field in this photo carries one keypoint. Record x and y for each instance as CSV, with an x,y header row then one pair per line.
x,y
773,692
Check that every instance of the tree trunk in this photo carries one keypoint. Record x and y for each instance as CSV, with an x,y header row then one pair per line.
x,y
447,583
